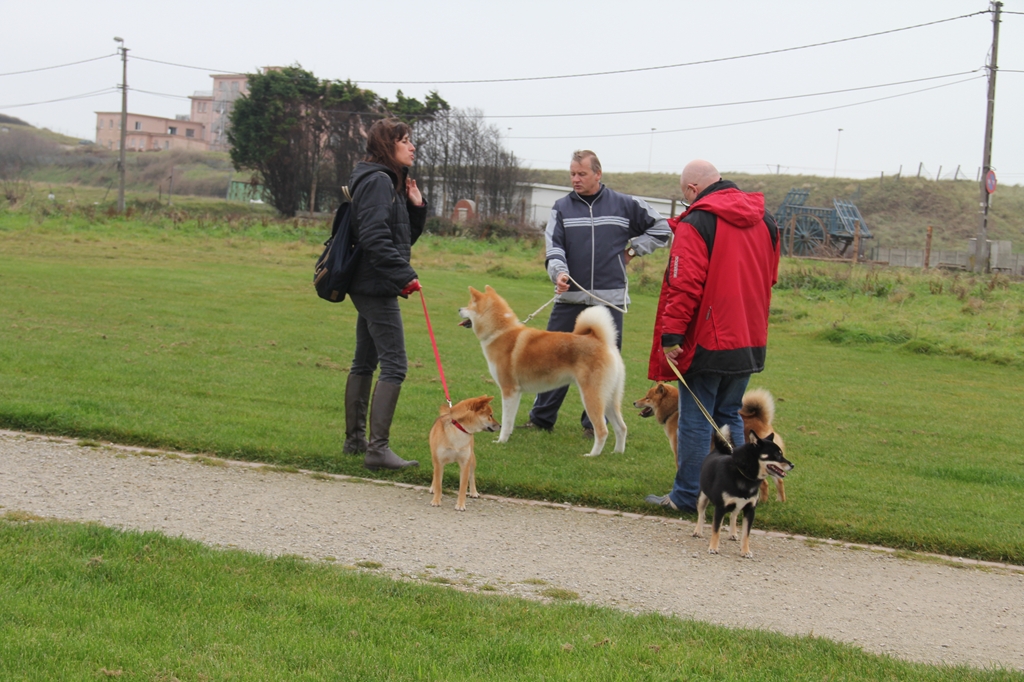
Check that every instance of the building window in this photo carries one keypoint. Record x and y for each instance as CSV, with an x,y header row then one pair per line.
x,y
234,87
190,132
101,123
171,130
167,144
138,125
111,123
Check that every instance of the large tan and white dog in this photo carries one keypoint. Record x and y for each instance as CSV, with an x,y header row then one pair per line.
x,y
535,360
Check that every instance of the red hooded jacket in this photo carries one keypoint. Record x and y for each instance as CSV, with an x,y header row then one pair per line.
x,y
718,285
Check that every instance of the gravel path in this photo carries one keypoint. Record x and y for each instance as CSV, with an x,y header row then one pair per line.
x,y
921,610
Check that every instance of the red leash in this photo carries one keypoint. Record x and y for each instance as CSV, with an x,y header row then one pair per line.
x,y
433,342
437,357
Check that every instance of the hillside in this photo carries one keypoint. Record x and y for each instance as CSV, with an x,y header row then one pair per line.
x,y
898,211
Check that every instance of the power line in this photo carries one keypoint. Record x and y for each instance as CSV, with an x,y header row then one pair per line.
x,y
680,108
158,94
730,104
62,99
58,66
184,66
615,72
674,66
758,120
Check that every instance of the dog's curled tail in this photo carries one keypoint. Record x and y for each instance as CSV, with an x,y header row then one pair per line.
x,y
721,440
759,404
597,320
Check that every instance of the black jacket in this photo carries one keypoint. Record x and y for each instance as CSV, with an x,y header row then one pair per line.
x,y
386,225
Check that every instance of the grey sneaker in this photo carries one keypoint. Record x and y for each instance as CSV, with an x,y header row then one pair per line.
x,y
661,501
588,433
535,427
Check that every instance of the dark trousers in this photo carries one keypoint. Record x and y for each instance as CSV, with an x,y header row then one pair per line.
x,y
380,337
563,319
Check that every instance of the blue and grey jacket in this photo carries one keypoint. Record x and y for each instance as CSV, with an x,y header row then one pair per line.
x,y
589,241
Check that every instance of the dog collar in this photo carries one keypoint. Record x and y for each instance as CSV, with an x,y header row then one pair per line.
x,y
460,427
740,471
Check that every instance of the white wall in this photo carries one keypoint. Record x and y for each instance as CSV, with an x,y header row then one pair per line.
x,y
540,198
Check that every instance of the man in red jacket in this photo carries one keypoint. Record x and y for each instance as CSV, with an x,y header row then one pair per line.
x,y
712,319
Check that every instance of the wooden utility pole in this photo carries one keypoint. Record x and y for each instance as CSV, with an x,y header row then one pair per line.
x,y
928,248
856,242
124,124
981,244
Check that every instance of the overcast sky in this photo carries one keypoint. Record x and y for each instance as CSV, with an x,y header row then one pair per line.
x,y
423,43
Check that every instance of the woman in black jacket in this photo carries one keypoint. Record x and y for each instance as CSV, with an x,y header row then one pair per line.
x,y
388,213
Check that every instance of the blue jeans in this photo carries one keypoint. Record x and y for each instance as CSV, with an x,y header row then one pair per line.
x,y
546,405
722,397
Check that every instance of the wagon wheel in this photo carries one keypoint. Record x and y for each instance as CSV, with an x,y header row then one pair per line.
x,y
807,235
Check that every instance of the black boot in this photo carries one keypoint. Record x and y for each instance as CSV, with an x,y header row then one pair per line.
x,y
357,396
382,410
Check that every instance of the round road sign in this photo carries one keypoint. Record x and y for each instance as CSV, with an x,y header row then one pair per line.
x,y
990,181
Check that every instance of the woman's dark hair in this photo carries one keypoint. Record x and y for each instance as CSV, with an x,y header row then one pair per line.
x,y
380,147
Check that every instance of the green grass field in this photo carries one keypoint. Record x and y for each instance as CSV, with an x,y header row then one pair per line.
x,y
898,392
83,602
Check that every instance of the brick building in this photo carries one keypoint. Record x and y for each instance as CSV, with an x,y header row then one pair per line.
x,y
204,128
149,133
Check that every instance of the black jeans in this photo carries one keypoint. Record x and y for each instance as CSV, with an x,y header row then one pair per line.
x,y
545,407
380,337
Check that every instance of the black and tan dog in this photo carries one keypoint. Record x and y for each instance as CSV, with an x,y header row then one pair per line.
x,y
758,413
731,483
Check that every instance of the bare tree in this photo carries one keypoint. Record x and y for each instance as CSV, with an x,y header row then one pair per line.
x,y
461,157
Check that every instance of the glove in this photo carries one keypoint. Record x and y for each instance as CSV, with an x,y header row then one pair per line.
x,y
411,287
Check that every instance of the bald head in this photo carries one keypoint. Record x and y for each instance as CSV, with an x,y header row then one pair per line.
x,y
697,176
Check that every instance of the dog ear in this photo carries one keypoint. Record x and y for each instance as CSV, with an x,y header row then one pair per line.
x,y
770,437
488,288
752,437
459,411
474,293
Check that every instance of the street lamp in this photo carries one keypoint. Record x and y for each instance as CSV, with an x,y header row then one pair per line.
x,y
650,153
836,166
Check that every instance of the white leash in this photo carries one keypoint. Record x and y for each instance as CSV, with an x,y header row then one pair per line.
x,y
592,295
595,296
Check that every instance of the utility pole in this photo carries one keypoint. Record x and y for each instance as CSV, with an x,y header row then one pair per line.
x,y
835,167
124,123
981,243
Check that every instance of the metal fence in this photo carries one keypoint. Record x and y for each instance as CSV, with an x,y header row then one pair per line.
x,y
1011,263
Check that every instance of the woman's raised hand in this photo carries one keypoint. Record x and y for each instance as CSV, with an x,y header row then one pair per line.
x,y
413,192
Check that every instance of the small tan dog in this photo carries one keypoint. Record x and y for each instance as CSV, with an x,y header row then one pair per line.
x,y
758,413
451,440
662,403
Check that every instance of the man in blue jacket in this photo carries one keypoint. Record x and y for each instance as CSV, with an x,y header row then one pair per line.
x,y
593,232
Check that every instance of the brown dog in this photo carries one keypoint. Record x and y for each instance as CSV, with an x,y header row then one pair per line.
x,y
451,440
758,413
662,403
